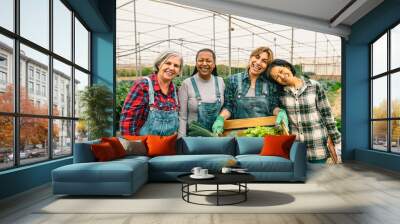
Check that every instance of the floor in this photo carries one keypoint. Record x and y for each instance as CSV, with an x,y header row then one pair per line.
x,y
378,188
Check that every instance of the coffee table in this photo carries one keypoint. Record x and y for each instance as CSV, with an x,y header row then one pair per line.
x,y
238,179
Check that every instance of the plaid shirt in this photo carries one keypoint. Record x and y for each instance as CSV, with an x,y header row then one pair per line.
x,y
136,106
310,118
231,90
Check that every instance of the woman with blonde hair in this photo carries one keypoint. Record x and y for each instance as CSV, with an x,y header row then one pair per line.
x,y
251,94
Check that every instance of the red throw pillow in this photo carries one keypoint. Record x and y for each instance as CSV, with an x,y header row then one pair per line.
x,y
103,152
277,145
161,145
116,145
135,137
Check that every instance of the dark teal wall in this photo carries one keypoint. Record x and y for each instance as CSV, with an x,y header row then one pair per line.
x,y
99,16
356,84
24,178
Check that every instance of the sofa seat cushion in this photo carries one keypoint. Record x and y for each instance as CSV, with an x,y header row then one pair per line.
x,y
185,163
257,163
112,171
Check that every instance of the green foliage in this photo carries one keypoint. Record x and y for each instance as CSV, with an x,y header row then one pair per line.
x,y
262,131
299,69
96,102
330,85
339,124
123,88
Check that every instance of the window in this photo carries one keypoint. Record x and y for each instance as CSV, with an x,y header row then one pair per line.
x,y
30,72
37,74
38,89
7,14
30,87
385,96
62,75
62,29
81,45
3,78
6,74
53,125
44,91
3,72
34,21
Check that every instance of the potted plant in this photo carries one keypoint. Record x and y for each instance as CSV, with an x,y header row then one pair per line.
x,y
96,103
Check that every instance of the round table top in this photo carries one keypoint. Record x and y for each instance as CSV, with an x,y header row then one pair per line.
x,y
220,178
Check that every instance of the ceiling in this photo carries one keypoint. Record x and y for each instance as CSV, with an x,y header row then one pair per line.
x,y
328,16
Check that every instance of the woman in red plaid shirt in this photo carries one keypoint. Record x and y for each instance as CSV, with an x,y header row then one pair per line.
x,y
151,107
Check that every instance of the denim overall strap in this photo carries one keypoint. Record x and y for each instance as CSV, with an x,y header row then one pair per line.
x,y
196,90
207,112
151,91
240,78
159,122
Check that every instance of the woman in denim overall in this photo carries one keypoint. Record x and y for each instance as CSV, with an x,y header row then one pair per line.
x,y
151,107
251,94
201,96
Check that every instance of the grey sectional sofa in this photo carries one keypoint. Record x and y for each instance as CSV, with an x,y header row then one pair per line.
x,y
125,176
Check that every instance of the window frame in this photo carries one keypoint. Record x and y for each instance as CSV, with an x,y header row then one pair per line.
x,y
16,114
388,74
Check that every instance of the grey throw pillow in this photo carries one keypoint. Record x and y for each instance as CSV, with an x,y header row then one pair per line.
x,y
133,147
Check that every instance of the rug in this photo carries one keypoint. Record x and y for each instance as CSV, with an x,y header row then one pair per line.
x,y
166,198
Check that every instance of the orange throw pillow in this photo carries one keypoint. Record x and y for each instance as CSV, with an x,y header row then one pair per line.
x,y
116,145
277,145
103,152
161,145
135,137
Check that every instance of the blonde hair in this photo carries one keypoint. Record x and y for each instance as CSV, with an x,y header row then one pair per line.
x,y
163,57
261,50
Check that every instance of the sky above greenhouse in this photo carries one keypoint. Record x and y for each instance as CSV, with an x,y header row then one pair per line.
x,y
191,29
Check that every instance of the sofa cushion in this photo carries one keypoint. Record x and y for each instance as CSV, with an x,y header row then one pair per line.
x,y
134,147
103,152
161,145
257,163
185,163
249,145
277,145
112,171
207,145
116,145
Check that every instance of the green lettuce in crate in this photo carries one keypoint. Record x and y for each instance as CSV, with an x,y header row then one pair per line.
x,y
262,131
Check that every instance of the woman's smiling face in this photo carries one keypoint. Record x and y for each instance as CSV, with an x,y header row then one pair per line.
x,y
205,63
258,64
281,75
169,69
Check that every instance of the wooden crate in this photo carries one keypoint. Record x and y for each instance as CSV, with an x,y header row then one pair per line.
x,y
239,125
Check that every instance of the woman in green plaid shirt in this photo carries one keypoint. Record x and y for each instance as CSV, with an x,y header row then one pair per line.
x,y
308,109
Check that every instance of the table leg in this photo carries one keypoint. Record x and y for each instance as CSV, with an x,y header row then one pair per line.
x,y
217,194
245,191
196,187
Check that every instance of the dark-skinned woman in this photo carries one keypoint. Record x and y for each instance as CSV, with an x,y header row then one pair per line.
x,y
201,95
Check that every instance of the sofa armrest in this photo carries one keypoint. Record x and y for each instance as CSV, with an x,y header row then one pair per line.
x,y
83,152
298,155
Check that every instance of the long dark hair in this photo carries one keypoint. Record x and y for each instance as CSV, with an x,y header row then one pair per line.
x,y
282,63
214,71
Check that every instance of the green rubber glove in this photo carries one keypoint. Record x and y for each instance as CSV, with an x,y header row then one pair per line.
x,y
282,117
218,126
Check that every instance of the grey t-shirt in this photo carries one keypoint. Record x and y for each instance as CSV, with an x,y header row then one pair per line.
x,y
188,101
